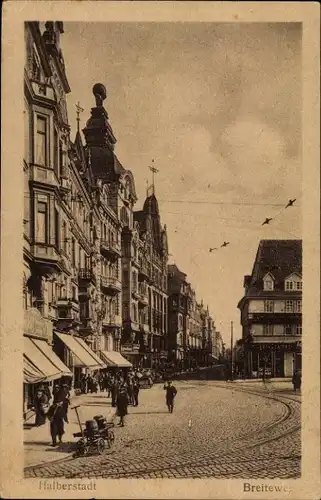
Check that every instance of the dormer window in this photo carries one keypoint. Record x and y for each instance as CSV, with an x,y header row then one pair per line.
x,y
293,283
268,282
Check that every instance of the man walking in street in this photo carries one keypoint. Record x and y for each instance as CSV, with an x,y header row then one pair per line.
x,y
171,392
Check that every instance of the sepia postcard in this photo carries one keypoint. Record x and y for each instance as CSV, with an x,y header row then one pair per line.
x,y
160,250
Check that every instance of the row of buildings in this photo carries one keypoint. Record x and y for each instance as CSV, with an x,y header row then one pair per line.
x,y
96,285
271,312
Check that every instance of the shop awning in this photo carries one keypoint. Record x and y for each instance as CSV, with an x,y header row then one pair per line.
x,y
48,352
114,358
91,352
31,374
83,357
38,363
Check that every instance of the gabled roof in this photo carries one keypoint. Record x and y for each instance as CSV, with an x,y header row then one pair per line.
x,y
268,275
293,274
281,258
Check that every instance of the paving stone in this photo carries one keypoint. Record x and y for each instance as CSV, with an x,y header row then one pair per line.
x,y
236,432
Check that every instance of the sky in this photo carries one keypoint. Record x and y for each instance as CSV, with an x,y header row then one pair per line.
x,y
218,108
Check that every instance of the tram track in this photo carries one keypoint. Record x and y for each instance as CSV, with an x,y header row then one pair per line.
x,y
234,451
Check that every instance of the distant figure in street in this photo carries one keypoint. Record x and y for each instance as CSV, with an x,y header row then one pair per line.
x,y
122,404
296,380
170,395
136,392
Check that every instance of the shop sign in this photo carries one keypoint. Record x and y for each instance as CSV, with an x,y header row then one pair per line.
x,y
275,347
37,326
128,348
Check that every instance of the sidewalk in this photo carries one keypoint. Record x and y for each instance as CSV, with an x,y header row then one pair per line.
x,y
281,386
37,440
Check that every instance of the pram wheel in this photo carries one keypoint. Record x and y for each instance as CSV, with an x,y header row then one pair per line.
x,y
100,446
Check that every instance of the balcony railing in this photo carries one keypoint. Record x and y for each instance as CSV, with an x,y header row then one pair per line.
x,y
112,285
86,275
110,248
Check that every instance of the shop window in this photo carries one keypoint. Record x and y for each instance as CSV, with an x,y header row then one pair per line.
x,y
269,306
42,222
41,141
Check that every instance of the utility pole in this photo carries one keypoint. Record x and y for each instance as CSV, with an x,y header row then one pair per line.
x,y
232,352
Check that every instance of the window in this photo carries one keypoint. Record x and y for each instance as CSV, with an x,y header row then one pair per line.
x,y
73,252
42,222
55,152
26,131
288,329
268,306
84,309
298,306
268,283
298,330
74,293
268,329
299,285
289,285
36,73
64,237
61,156
41,141
57,229
289,306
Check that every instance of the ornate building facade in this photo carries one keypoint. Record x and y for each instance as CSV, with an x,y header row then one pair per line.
x,y
152,282
58,238
190,325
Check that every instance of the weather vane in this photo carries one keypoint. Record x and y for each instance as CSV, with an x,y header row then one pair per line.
x,y
79,110
154,171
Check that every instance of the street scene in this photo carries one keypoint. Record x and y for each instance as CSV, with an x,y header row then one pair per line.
x,y
162,252
214,431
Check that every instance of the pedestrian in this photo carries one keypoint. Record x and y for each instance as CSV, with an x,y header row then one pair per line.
x,y
171,392
136,389
58,413
297,380
83,383
122,404
130,392
41,406
114,392
57,417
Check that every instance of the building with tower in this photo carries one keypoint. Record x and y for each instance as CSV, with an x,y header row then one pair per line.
x,y
58,242
152,261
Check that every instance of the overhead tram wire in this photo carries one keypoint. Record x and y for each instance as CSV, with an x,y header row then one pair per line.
x,y
195,202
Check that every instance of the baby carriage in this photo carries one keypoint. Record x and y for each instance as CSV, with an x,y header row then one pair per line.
x,y
96,437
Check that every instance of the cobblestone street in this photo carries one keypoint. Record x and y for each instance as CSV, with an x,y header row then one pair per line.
x,y
216,430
